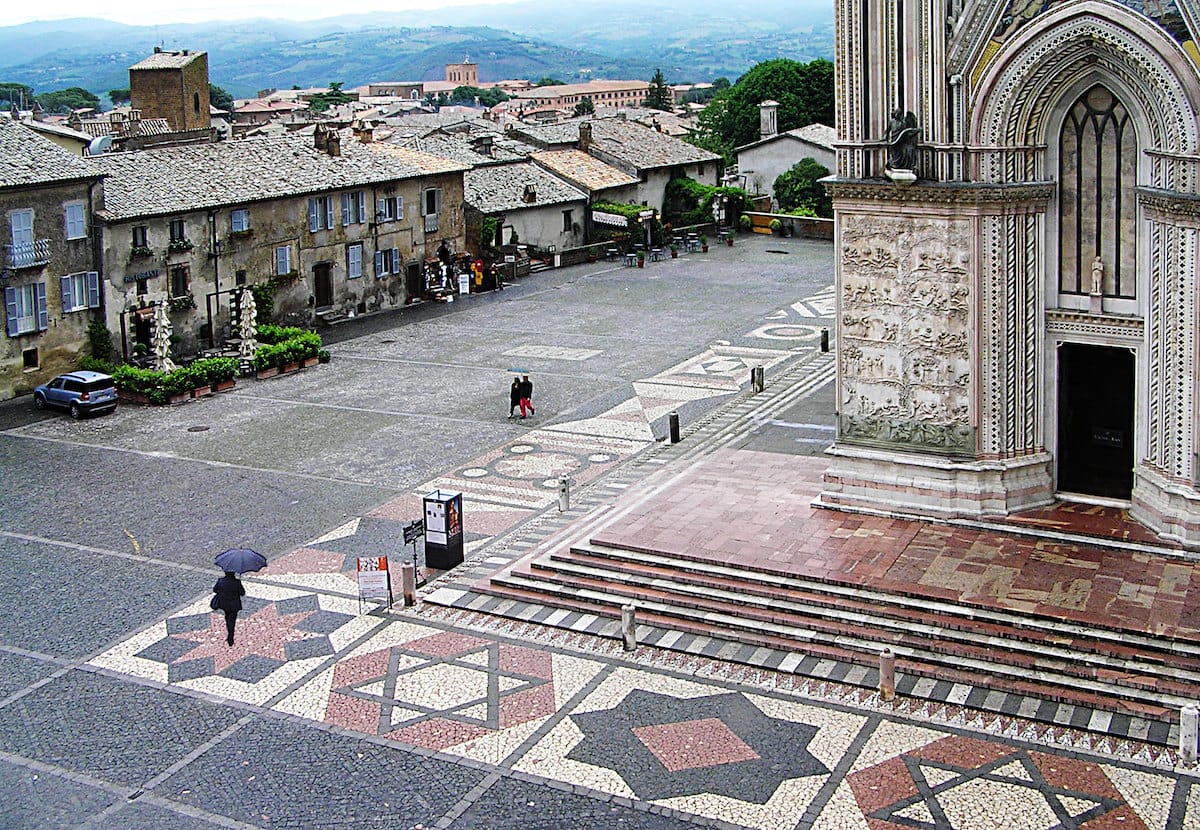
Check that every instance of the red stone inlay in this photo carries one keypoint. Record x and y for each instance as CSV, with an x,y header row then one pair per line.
x,y
447,644
438,733
519,707
266,632
353,713
526,661
694,744
362,667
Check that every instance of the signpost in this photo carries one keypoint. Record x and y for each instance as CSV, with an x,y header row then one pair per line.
x,y
374,579
413,531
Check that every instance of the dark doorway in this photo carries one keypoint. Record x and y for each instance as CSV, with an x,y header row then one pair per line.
x,y
323,284
1095,420
412,280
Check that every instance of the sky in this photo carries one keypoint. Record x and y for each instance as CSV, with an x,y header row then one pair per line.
x,y
153,12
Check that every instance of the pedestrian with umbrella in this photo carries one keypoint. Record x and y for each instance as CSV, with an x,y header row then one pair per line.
x,y
228,592
514,395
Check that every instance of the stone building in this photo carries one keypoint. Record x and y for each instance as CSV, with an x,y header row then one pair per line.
x,y
1018,208
173,86
332,225
47,268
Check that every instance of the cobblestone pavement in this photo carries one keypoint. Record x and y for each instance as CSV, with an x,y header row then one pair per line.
x,y
121,705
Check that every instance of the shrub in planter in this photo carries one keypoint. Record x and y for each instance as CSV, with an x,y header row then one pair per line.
x,y
744,222
324,356
87,363
776,226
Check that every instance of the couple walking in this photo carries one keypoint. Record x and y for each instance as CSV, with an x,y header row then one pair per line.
x,y
520,394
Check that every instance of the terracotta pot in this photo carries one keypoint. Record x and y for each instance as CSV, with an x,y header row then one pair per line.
x,y
224,385
310,361
174,399
202,391
674,254
290,367
132,397
704,249
269,372
729,241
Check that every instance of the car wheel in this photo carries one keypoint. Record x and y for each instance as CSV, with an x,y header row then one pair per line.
x,y
39,402
76,412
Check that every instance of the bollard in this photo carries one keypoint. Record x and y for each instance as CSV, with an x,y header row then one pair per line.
x,y
408,582
887,675
629,627
757,383
564,494
1187,735
824,340
673,421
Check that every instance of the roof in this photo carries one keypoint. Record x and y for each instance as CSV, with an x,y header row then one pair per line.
x,y
27,158
582,169
630,143
167,60
588,88
509,187
815,134
464,147
186,178
142,126
272,105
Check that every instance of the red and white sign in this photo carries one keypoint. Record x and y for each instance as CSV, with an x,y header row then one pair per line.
x,y
373,577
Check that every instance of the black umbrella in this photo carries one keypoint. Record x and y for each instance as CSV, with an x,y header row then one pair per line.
x,y
240,560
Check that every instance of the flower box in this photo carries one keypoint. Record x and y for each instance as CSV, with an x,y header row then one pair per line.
x,y
310,361
202,391
132,397
269,372
224,385
288,368
180,398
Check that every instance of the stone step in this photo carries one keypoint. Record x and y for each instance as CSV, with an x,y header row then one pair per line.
x,y
824,622
1040,681
952,615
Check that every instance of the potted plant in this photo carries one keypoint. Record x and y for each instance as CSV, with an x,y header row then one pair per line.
x,y
674,251
776,227
641,259
744,223
179,245
140,252
703,244
183,302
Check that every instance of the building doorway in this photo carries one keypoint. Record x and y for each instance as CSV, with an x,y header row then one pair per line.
x,y
323,284
1095,420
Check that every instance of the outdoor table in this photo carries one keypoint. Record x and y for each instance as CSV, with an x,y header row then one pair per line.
x,y
612,253
693,243
656,254
630,259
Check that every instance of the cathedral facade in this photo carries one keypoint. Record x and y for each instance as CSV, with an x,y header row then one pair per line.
x,y
1017,204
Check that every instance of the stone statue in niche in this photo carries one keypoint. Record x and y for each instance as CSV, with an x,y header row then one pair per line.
x,y
1097,277
902,140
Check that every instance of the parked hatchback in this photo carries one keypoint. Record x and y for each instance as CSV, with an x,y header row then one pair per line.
x,y
78,392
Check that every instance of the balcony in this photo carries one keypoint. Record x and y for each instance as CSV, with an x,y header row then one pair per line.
x,y
33,254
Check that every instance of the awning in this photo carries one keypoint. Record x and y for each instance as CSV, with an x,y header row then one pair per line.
x,y
614,219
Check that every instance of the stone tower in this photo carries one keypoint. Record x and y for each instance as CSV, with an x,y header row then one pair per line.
x,y
174,86
463,74
1017,312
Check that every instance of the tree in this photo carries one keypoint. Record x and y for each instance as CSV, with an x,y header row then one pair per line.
x,y
219,98
486,97
548,81
65,100
119,96
332,98
800,187
585,107
660,96
804,93
19,94
720,83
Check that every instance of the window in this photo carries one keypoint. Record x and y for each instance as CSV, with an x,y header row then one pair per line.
x,y
143,287
431,206
354,208
283,260
179,280
22,228
29,358
389,209
80,291
76,227
354,261
239,278
139,236
239,220
178,230
25,309
320,213
387,262
567,221
196,102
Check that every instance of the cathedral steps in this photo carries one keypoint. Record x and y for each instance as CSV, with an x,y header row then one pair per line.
x,y
1043,657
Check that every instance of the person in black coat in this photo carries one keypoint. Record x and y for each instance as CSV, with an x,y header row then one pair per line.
x,y
514,396
526,395
229,592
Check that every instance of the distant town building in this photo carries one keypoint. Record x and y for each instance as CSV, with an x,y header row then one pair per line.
x,y
172,86
566,96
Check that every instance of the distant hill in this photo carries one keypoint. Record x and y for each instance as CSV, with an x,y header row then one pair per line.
x,y
694,43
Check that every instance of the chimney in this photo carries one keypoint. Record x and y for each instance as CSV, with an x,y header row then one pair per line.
x,y
585,135
483,145
333,144
768,124
530,194
621,116
654,123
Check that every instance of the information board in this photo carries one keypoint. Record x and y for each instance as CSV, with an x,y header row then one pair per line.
x,y
374,578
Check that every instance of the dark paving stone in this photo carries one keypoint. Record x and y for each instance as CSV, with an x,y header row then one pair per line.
x,y
191,669
142,815
168,649
32,800
516,805
108,729
283,774
251,669
17,672
191,622
323,622
297,605
311,647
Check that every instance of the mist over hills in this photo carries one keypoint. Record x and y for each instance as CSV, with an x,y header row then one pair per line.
x,y
696,41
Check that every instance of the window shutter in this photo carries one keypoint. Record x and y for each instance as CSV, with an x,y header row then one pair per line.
x,y
93,289
10,310
399,207
379,263
281,260
362,207
437,201
329,211
43,313
345,209
312,214
68,301
395,260
381,209
425,203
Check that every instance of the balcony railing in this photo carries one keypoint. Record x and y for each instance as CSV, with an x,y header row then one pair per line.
x,y
27,255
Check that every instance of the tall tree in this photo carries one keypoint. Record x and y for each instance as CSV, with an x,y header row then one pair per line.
x,y
585,107
19,94
219,98
660,96
119,96
800,187
804,92
65,100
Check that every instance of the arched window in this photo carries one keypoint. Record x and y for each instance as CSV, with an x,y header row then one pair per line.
x,y
196,102
1097,211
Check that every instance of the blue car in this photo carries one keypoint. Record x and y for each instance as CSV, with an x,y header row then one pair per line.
x,y
80,393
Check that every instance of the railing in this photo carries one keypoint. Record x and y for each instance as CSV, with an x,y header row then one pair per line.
x,y
431,223
27,254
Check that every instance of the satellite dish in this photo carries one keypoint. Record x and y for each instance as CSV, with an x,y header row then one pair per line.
x,y
99,144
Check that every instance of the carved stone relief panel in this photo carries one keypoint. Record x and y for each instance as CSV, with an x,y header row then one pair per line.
x,y
904,333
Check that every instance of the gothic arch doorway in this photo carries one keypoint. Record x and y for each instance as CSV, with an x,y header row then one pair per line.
x,y
1095,420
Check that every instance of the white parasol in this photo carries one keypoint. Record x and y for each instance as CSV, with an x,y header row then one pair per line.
x,y
162,339
247,327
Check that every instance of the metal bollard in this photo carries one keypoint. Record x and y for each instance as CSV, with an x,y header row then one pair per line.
x,y
629,627
887,675
1187,735
757,381
824,340
673,422
564,494
408,582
